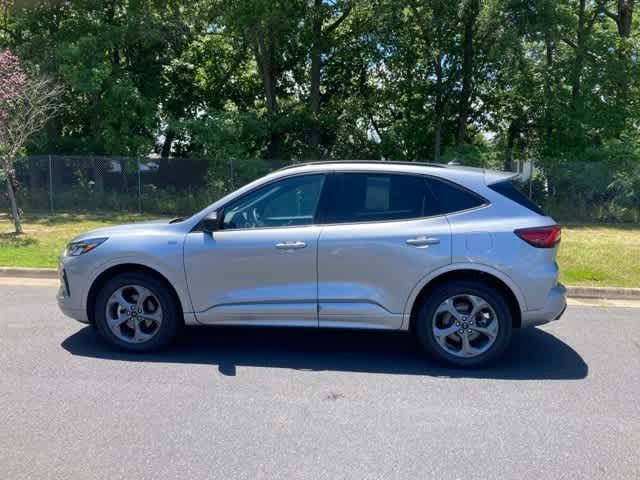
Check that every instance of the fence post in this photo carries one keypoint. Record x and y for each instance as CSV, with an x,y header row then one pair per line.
x,y
139,186
50,184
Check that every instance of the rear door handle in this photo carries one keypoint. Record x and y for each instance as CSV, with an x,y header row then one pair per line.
x,y
423,241
290,245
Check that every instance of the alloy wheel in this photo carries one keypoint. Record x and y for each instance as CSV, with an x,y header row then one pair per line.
x,y
465,325
134,314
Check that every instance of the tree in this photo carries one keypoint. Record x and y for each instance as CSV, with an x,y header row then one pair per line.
x,y
320,35
470,12
27,102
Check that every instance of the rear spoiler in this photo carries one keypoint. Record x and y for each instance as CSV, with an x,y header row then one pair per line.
x,y
495,176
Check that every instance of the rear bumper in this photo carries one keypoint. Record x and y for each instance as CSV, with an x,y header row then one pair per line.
x,y
553,309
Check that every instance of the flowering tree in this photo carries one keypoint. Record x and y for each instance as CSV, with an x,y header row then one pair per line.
x,y
27,102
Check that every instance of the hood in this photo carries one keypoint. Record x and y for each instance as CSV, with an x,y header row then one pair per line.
x,y
131,228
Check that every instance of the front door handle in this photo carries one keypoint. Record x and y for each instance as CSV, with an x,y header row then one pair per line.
x,y
423,241
290,245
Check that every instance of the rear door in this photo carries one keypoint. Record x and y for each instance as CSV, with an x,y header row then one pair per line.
x,y
382,234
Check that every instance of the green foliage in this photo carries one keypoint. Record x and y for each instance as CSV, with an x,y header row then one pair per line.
x,y
233,79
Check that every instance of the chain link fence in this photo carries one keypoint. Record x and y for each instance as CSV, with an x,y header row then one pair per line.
x,y
62,183
178,186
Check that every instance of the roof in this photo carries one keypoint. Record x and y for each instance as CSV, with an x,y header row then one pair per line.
x,y
452,172
373,162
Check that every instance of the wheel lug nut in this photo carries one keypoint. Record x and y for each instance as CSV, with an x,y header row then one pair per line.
x,y
457,324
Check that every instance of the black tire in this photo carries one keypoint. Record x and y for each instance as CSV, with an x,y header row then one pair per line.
x,y
168,329
427,311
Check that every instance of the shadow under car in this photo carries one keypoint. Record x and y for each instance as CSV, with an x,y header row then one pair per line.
x,y
533,354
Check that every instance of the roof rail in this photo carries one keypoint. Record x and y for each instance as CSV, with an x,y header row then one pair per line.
x,y
330,162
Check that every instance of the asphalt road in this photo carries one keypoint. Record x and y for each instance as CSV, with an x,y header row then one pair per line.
x,y
257,403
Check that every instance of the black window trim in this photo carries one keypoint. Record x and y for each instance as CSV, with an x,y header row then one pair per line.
x,y
485,203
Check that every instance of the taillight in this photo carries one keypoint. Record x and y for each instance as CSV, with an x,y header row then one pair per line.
x,y
541,237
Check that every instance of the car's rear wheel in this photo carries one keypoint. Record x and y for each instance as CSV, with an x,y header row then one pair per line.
x,y
464,324
136,312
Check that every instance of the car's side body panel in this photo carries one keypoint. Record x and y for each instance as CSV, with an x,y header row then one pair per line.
x,y
453,267
365,270
486,236
240,276
162,253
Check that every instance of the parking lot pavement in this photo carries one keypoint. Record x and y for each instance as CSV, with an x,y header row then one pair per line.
x,y
259,403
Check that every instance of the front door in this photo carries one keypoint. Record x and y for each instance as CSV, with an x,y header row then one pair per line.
x,y
260,268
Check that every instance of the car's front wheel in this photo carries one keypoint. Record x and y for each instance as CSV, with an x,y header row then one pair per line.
x,y
464,324
136,312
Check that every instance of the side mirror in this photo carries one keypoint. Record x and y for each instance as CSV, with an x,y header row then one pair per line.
x,y
212,222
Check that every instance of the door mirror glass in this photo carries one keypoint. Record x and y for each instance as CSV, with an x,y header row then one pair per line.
x,y
211,222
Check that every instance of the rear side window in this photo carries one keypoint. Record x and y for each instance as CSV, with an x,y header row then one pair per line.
x,y
509,190
452,198
372,197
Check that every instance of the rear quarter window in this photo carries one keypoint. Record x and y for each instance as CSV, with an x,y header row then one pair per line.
x,y
452,198
508,189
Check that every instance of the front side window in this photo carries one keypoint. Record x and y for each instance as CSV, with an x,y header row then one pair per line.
x,y
373,197
289,202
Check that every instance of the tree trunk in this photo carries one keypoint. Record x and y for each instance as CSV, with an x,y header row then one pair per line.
x,y
508,154
169,137
625,17
467,69
316,51
437,139
14,205
548,117
578,66
439,110
263,49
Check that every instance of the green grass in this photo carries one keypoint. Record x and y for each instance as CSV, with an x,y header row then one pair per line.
x,y
600,255
596,255
46,236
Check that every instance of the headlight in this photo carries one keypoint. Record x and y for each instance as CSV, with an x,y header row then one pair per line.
x,y
83,246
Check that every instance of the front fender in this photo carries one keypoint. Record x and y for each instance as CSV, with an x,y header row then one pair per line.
x,y
173,273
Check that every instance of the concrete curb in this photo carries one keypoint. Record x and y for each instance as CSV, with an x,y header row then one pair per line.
x,y
28,272
573,292
614,293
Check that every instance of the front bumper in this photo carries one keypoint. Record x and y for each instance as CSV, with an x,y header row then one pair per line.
x,y
553,309
69,304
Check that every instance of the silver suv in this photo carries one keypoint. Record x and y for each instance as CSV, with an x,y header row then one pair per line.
x,y
455,255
